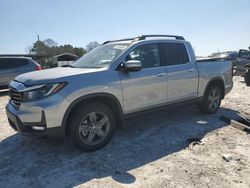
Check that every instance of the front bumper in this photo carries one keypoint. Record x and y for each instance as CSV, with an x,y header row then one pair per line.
x,y
27,130
39,118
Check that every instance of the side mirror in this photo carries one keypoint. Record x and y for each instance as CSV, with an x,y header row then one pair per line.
x,y
132,65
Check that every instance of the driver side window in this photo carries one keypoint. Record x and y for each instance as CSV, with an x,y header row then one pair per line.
x,y
148,54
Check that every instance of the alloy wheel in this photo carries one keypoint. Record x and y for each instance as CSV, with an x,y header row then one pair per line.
x,y
94,128
214,99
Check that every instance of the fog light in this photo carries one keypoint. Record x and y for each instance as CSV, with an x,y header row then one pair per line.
x,y
38,128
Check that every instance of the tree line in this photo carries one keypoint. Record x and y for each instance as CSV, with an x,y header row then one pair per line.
x,y
50,48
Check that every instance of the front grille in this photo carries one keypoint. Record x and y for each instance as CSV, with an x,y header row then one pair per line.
x,y
15,96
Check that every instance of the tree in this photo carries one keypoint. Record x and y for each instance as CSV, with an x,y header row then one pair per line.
x,y
90,46
79,51
39,48
50,43
28,50
49,47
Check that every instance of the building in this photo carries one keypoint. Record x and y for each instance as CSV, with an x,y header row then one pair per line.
x,y
62,59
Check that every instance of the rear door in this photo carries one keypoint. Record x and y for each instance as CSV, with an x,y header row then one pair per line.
x,y
182,73
147,87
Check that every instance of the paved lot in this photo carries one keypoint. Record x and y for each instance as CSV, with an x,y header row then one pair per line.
x,y
150,152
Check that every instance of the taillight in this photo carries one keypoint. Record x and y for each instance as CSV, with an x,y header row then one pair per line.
x,y
38,68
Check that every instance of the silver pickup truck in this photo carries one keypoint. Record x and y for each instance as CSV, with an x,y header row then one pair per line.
x,y
87,100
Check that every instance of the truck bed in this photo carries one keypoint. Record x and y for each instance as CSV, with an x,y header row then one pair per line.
x,y
208,68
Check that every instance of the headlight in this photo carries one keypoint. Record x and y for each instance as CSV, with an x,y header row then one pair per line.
x,y
42,91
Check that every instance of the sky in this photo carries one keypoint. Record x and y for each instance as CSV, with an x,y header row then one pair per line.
x,y
210,25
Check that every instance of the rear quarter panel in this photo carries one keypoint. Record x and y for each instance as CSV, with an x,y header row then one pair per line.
x,y
211,70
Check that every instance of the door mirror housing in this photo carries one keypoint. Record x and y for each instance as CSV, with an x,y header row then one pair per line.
x,y
132,65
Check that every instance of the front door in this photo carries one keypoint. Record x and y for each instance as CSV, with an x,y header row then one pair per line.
x,y
148,87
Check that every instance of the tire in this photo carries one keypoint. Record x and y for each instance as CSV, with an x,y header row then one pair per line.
x,y
247,78
211,102
92,126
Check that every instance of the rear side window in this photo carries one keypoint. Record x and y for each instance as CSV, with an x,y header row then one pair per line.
x,y
8,63
174,54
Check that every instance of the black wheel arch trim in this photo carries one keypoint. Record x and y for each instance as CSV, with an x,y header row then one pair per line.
x,y
217,78
88,97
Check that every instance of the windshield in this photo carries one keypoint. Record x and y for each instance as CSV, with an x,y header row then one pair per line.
x,y
102,56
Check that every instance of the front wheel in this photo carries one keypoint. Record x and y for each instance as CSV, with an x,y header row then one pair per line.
x,y
92,126
212,100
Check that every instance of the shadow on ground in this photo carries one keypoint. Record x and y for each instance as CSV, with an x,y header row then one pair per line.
x,y
146,138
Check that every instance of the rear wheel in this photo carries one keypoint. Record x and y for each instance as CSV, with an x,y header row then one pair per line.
x,y
212,100
92,126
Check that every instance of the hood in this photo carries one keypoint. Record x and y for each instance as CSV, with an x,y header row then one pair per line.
x,y
52,75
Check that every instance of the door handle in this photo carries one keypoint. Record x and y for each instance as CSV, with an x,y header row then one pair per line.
x,y
161,74
190,70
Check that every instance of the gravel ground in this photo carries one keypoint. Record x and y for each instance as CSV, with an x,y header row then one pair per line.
x,y
151,151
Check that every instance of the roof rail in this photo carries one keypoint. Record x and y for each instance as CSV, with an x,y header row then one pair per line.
x,y
143,37
127,39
